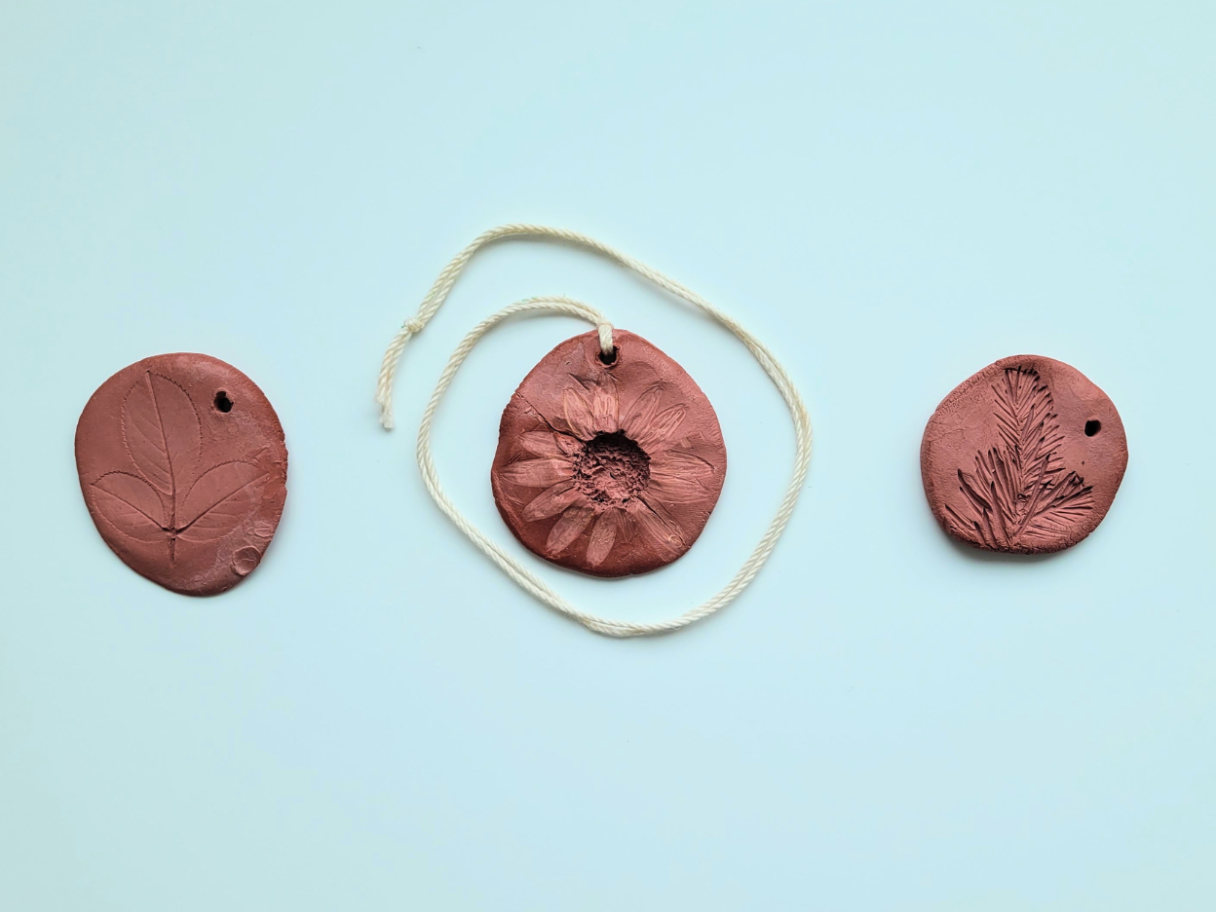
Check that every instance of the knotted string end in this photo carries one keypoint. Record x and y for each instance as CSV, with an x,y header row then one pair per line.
x,y
388,369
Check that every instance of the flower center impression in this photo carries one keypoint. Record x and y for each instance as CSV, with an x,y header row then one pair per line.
x,y
611,469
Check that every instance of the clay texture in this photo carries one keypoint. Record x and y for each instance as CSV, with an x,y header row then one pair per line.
x,y
184,470
1025,456
608,468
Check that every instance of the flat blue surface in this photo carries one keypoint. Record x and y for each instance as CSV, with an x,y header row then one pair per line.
x,y
892,195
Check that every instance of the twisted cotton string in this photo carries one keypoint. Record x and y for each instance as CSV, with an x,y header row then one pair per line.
x,y
524,577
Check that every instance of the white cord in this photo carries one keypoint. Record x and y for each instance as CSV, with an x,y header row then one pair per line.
x,y
524,577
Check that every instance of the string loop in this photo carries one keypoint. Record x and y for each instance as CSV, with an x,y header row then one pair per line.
x,y
527,580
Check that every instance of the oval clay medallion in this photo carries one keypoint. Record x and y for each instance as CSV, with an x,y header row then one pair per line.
x,y
609,468
184,469
1026,456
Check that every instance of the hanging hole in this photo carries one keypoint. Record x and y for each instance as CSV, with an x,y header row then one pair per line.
x,y
1092,426
609,358
222,402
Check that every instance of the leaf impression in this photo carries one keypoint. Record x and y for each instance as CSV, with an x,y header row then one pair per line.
x,y
131,505
163,436
220,499
161,429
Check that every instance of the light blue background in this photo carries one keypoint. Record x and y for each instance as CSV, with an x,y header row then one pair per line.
x,y
892,195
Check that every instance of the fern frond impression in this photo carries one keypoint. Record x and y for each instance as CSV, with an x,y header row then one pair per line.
x,y
1019,488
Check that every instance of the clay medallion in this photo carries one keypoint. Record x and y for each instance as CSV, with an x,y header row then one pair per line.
x,y
183,468
1026,456
610,466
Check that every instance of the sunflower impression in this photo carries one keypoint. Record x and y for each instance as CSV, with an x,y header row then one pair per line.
x,y
608,464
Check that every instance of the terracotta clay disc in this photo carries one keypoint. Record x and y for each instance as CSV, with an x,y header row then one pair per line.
x,y
184,470
1026,456
612,468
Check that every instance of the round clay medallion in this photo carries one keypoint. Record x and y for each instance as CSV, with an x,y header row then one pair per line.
x,y
609,468
183,468
1025,456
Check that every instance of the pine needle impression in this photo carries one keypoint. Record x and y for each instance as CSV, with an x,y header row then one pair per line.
x,y
1025,456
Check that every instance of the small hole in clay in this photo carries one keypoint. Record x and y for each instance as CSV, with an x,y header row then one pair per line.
x,y
611,357
222,402
1092,426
